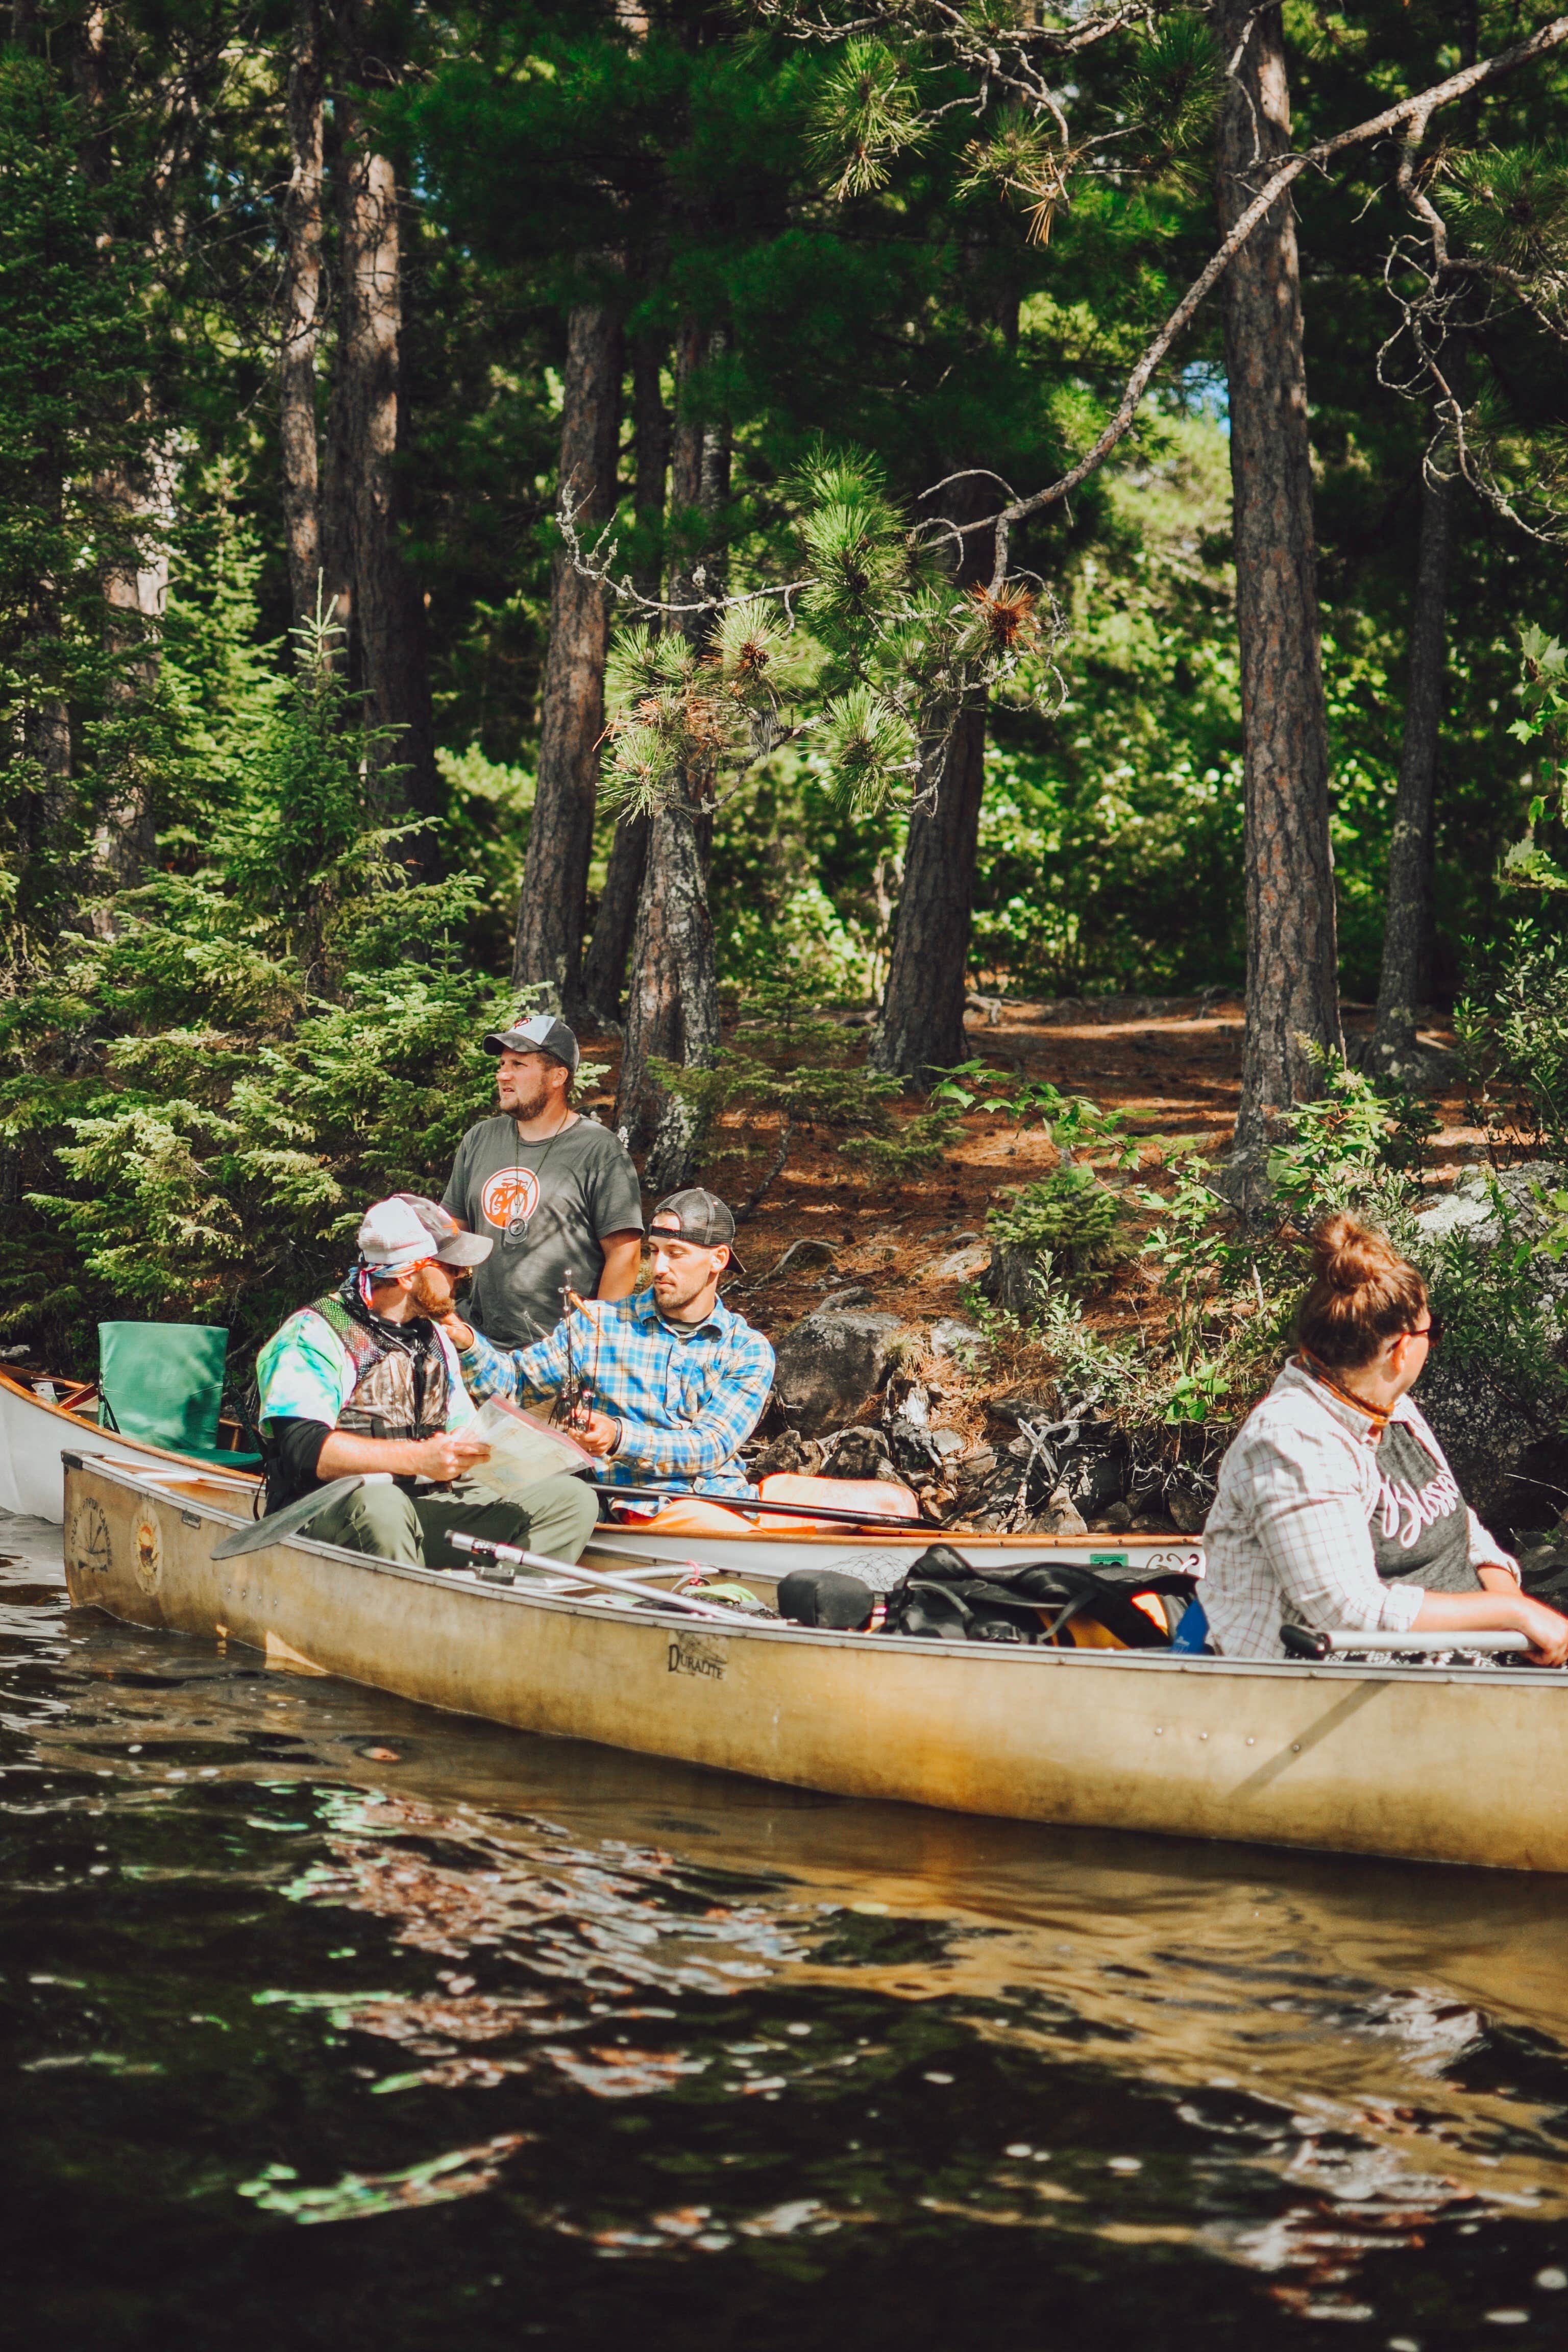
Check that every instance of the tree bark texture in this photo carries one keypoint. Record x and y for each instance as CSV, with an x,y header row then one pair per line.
x,y
1406,977
921,1025
615,918
672,1004
614,921
302,231
1292,993
700,454
378,604
651,433
550,918
1407,936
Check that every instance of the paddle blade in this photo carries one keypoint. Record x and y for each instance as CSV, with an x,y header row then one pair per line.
x,y
293,1520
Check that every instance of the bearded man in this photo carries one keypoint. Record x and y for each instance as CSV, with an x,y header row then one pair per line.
x,y
363,1381
555,1193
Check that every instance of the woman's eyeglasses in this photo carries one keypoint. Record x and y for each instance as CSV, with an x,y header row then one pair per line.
x,y
1431,1331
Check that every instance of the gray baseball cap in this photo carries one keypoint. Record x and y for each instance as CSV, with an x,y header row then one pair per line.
x,y
695,1215
453,1245
542,1032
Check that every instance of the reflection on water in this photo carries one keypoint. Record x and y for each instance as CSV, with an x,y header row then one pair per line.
x,y
586,2045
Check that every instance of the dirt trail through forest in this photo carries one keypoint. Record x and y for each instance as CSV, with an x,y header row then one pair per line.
x,y
913,1245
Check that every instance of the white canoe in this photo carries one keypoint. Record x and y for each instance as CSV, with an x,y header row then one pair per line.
x,y
33,1430
1432,1764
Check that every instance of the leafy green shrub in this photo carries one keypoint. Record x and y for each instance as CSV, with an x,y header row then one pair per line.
x,y
1513,1049
1077,1127
1358,1146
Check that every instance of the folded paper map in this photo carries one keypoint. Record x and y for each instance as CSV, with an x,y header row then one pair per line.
x,y
523,1448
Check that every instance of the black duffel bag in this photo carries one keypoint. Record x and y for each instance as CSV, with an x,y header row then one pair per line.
x,y
943,1598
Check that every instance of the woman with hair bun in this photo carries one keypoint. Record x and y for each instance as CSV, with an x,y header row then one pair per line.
x,y
1336,1508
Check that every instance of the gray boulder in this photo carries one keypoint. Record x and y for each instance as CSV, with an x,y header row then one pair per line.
x,y
1471,1209
1061,1516
959,1342
829,1363
857,1452
790,1454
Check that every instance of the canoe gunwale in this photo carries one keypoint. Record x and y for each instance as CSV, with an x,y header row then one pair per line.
x,y
1002,1655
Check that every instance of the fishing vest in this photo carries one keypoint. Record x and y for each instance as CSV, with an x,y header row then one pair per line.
x,y
396,1391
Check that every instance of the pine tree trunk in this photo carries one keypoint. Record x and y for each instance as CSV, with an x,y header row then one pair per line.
x,y
135,504
1408,934
136,590
550,919
302,228
1291,949
615,922
700,454
672,1006
651,428
377,599
921,1025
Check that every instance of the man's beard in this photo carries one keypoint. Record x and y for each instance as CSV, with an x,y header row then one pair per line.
x,y
532,1108
431,1293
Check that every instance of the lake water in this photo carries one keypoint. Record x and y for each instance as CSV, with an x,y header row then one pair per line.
x,y
331,2020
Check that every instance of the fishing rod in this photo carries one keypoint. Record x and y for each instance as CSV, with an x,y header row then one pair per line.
x,y
825,1511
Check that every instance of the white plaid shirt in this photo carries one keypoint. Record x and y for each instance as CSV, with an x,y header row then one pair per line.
x,y
1289,1536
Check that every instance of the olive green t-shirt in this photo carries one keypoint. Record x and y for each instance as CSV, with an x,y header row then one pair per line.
x,y
547,1207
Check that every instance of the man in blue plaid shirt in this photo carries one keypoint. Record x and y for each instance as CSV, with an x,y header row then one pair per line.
x,y
678,1380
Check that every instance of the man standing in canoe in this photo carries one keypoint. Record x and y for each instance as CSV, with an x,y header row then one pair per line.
x,y
676,1382
362,1382
556,1194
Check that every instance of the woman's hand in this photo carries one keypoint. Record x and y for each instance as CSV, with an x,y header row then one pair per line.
x,y
1460,1613
1547,1630
459,1333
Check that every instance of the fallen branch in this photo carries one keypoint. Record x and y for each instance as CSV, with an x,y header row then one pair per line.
x,y
774,1170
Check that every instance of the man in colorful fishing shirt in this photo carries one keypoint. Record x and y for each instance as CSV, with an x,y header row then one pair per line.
x,y
363,1382
667,1385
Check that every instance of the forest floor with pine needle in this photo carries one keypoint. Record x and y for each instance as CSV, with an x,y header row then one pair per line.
x,y
915,1245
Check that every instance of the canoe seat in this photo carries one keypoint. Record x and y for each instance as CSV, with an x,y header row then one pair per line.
x,y
162,1382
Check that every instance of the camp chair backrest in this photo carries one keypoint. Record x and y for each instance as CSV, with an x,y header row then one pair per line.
x,y
162,1382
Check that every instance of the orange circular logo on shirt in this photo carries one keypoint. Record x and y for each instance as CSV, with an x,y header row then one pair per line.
x,y
511,1193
